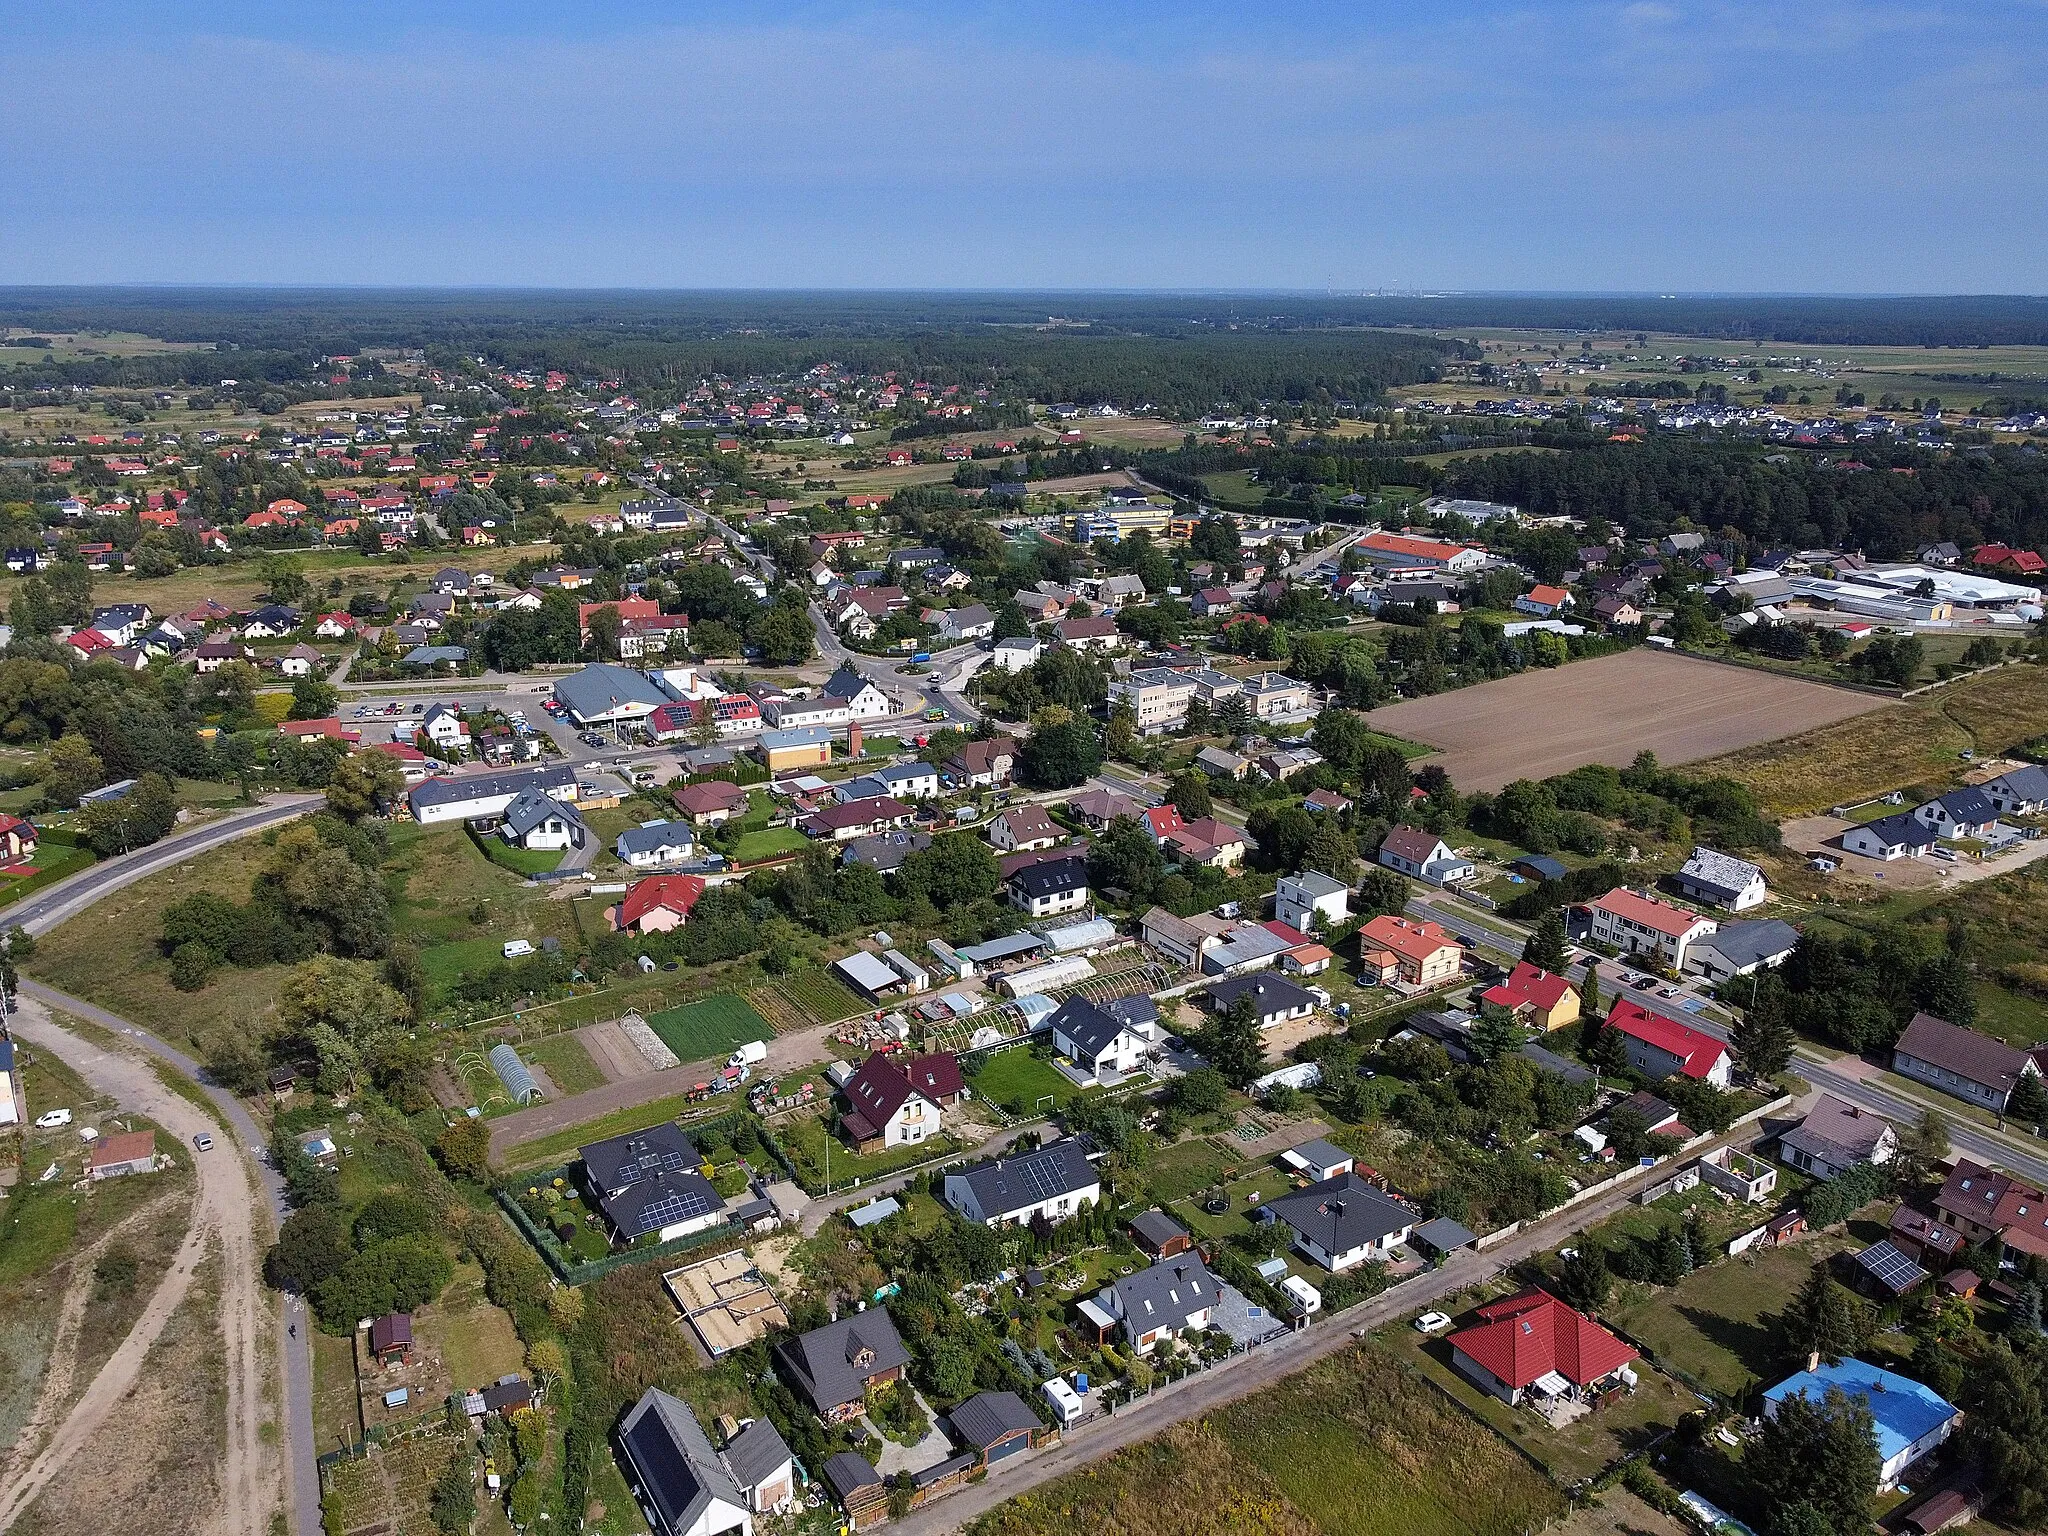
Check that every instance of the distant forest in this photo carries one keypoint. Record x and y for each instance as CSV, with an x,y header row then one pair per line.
x,y
1185,353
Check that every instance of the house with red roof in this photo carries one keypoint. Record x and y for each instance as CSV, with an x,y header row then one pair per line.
x,y
1660,1047
2013,562
335,626
1543,601
329,729
1534,1346
1397,551
1534,997
1424,953
660,903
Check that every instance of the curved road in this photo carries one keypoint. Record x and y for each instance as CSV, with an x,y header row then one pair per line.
x,y
66,899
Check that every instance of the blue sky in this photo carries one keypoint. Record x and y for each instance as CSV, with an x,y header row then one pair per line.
x,y
1649,144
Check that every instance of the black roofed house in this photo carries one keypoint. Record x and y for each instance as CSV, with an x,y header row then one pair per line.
x,y
650,1182
836,1366
761,1466
541,824
1343,1221
1050,888
507,1394
1742,949
1274,999
1054,1181
611,1165
1958,1061
1101,1044
1959,813
2022,792
996,1426
684,1488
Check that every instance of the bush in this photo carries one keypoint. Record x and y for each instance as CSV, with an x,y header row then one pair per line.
x,y
192,966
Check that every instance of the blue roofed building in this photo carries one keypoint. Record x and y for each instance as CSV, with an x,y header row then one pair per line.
x,y
1910,1419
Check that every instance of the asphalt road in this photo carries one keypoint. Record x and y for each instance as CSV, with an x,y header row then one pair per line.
x,y
49,907
293,1323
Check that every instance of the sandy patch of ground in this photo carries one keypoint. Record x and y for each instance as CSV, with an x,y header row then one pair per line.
x,y
1606,710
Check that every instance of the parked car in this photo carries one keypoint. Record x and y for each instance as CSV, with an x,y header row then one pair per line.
x,y
51,1119
203,1142
1432,1322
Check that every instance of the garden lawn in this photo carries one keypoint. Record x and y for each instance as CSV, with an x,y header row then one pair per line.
x,y
712,1027
522,861
768,843
1019,1081
1716,1323
1186,1168
813,1150
566,1062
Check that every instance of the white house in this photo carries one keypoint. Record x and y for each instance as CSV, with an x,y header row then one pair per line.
x,y
1023,828
864,700
656,845
1721,880
1908,1418
1017,652
886,1110
1160,1302
1959,813
1836,1135
541,824
1903,836
1051,889
1423,856
1299,899
1054,1181
685,1490
1642,925
1342,1221
444,727
1101,1045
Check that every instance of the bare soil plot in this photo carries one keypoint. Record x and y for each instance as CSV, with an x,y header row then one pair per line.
x,y
1606,711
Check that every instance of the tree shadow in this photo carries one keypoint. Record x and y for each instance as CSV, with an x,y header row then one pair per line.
x,y
1753,1344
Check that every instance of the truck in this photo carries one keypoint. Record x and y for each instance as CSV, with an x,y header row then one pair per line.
x,y
921,656
749,1054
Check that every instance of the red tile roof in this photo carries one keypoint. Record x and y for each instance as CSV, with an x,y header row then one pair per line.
x,y
1696,1051
1656,915
1527,1336
1527,985
1416,941
676,893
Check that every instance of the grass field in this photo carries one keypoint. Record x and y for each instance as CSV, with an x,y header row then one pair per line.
x,y
711,1028
1920,741
1358,1445
767,843
1020,1082
552,1149
522,861
566,1062
1183,1169
1716,1323
1606,710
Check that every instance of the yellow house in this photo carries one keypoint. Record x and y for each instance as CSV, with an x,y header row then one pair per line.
x,y
1535,997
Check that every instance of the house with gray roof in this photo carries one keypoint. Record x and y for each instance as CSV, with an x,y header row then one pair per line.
x,y
665,1207
995,1426
1159,1302
1959,813
1054,1181
683,1486
1837,1135
1102,1046
1742,949
1720,880
2022,792
1342,1221
836,1366
656,845
1274,999
607,694
761,1466
1900,836
461,797
541,824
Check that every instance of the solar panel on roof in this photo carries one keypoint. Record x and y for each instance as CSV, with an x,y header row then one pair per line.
x,y
1890,1267
672,1205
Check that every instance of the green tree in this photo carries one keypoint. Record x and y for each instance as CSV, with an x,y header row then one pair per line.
x,y
2006,1432
2029,1101
1331,850
1061,755
1583,1280
362,782
1232,1045
1924,1148
1124,858
1546,945
453,1506
957,870
1762,1039
1822,1454
284,578
1496,1036
313,699
1200,1092
464,1148
1188,793
1822,1319
1589,991
1120,738
70,769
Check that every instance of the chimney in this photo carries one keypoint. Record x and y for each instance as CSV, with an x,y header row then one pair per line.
x,y
1813,1361
853,739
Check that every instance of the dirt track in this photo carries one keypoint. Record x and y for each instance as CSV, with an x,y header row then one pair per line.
x,y
222,1216
1607,710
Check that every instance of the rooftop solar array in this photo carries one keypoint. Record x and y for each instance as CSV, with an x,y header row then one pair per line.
x,y
1888,1265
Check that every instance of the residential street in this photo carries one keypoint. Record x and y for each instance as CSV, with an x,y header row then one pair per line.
x,y
1204,1393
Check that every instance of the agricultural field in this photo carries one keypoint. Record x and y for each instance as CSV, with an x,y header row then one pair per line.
x,y
1608,709
387,1491
1919,741
815,992
1358,1445
566,1062
711,1028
